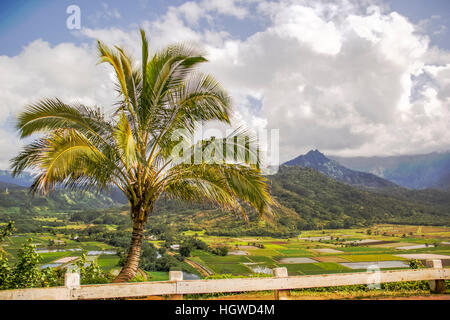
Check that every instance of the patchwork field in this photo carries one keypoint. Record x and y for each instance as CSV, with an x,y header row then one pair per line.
x,y
379,264
312,252
62,255
329,251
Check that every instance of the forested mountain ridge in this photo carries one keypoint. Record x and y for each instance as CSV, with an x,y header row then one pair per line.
x,y
19,199
318,161
324,201
308,200
24,180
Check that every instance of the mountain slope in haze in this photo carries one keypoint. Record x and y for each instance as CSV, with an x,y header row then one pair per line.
x,y
25,179
411,171
308,200
9,186
316,160
19,199
324,202
444,182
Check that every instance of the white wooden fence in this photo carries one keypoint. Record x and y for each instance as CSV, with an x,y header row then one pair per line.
x,y
281,283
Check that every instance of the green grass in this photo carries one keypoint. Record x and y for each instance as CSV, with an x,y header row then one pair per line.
x,y
263,252
297,245
315,268
50,256
197,259
224,260
262,259
200,253
158,276
107,262
334,267
302,268
274,246
295,252
235,269
439,249
264,265
371,257
192,233
17,240
190,269
366,249
94,246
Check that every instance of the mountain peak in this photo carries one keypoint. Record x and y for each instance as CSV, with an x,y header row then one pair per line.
x,y
311,159
316,155
318,161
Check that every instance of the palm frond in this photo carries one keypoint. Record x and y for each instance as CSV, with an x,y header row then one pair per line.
x,y
125,141
163,99
61,156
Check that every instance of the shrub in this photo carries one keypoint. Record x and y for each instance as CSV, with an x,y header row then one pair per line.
x,y
221,250
415,264
26,273
185,250
90,273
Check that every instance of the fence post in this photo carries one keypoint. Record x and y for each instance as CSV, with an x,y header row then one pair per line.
x,y
438,285
71,281
285,293
176,276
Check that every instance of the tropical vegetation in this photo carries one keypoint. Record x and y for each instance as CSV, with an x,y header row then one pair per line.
x,y
133,147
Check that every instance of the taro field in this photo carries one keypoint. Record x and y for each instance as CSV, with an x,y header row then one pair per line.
x,y
387,247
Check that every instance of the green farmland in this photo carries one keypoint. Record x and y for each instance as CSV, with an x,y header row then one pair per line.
x,y
312,252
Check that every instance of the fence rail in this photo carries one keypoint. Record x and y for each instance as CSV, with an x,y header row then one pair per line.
x,y
281,283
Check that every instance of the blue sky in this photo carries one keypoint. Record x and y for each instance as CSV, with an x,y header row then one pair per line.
x,y
348,77
22,21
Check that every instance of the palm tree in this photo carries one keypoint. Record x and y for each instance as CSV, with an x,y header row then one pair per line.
x,y
133,148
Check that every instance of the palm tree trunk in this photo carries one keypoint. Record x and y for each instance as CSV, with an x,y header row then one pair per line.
x,y
130,268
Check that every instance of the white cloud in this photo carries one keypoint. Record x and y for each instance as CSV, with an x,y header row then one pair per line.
x,y
234,8
192,12
303,24
358,94
65,71
347,78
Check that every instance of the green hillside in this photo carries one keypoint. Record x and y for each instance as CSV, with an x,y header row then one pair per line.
x,y
324,202
20,200
307,198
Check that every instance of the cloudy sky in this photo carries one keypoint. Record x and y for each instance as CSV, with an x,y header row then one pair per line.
x,y
367,77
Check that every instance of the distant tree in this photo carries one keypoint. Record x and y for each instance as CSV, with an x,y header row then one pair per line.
x,y
221,250
185,250
7,230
